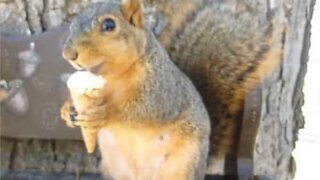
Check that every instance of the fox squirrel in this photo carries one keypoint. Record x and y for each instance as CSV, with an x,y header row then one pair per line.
x,y
224,47
151,119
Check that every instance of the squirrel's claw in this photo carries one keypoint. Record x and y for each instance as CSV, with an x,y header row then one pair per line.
x,y
68,114
73,113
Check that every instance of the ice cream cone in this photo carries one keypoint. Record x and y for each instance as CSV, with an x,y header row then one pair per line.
x,y
79,84
90,138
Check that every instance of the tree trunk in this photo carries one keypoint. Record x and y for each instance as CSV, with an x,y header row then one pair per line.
x,y
282,96
281,106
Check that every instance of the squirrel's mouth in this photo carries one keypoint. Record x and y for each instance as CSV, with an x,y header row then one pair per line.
x,y
95,69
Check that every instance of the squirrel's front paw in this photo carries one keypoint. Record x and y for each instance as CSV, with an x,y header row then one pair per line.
x,y
93,113
91,117
68,113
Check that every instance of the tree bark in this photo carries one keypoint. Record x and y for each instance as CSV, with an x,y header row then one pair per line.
x,y
281,106
282,95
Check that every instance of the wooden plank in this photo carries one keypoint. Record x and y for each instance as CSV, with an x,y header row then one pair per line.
x,y
37,175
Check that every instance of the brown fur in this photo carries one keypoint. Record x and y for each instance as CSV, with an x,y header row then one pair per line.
x,y
222,47
148,144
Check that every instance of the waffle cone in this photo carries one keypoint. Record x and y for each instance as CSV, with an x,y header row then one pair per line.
x,y
90,138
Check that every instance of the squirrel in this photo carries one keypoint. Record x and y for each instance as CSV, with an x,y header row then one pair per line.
x,y
152,121
225,48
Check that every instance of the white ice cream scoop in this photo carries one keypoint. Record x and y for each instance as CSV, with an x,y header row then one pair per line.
x,y
81,81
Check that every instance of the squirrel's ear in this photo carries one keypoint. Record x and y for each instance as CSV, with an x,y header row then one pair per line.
x,y
132,11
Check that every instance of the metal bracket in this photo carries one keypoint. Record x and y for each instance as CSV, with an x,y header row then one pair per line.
x,y
248,132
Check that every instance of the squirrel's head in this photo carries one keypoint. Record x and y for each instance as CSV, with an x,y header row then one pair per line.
x,y
106,38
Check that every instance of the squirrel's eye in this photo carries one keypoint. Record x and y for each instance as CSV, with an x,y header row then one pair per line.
x,y
108,25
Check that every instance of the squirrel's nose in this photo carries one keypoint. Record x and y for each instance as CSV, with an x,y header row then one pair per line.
x,y
70,54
